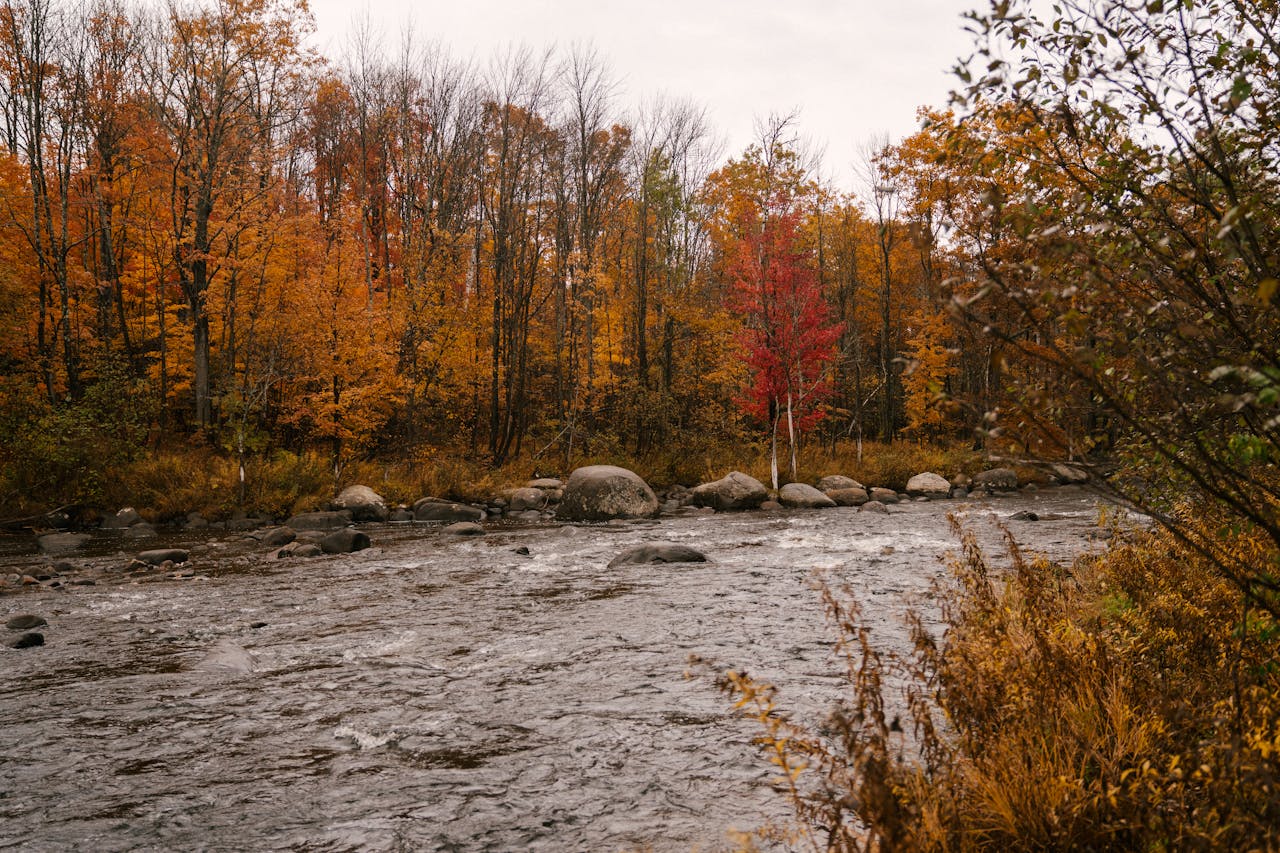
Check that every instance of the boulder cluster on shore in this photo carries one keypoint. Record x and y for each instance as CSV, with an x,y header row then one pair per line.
x,y
595,493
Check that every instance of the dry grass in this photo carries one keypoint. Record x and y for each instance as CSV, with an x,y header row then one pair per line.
x,y
1132,702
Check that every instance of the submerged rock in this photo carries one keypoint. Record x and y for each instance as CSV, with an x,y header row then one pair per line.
x,y
658,552
320,520
28,641
604,492
24,621
163,555
464,528
61,543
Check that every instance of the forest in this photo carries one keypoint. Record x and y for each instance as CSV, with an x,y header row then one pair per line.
x,y
218,242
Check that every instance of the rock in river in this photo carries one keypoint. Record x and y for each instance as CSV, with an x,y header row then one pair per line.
x,y
837,481
604,492
430,509
24,621
464,528
996,480
160,555
28,641
319,520
803,496
658,552
848,497
278,537
344,541
61,543
299,549
362,502
733,491
928,485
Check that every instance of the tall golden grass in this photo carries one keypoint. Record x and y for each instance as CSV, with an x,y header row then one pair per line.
x,y
1129,702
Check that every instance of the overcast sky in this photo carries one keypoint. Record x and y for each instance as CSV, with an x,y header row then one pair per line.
x,y
853,69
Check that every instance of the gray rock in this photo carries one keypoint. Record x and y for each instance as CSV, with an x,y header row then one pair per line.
x,y
1025,515
401,515
658,552
884,496
522,500
769,506
464,528
24,621
28,641
1069,474
430,509
928,485
160,555
996,480
803,496
122,520
734,491
344,541
362,502
279,537
604,492
141,530
838,481
848,497
545,483
319,520
61,543
874,506
959,493
195,521
299,549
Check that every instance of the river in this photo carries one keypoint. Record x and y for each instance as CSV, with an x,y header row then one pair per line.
x,y
441,693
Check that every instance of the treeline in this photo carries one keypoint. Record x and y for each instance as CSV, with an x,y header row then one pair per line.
x,y
208,231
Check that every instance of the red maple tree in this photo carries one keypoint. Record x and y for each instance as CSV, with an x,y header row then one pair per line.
x,y
789,338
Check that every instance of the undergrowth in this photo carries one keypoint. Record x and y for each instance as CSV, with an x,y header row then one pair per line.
x,y
1131,702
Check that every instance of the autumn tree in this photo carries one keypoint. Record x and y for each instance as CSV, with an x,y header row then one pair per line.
x,y
1147,179
788,338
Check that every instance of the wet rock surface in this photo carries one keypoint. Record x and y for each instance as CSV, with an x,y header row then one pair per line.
x,y
448,693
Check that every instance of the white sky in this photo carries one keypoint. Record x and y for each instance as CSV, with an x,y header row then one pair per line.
x,y
854,69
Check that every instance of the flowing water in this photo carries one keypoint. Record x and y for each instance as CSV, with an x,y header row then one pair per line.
x,y
438,693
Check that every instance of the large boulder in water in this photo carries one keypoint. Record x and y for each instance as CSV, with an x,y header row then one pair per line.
x,y
431,509
345,541
604,492
928,485
733,491
803,496
658,552
362,502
